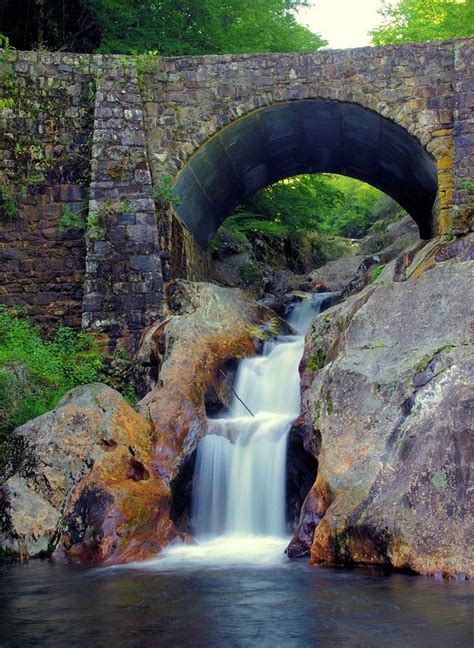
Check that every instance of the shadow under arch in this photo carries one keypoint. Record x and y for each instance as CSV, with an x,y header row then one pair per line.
x,y
304,136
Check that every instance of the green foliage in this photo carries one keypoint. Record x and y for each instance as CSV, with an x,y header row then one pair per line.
x,y
96,221
165,194
144,60
94,226
6,56
115,371
71,218
361,206
295,205
8,205
466,184
375,272
93,222
330,204
329,403
36,371
440,480
251,273
51,366
243,222
316,361
424,20
176,27
171,27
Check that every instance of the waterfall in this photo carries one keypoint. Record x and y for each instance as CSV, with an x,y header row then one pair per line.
x,y
239,483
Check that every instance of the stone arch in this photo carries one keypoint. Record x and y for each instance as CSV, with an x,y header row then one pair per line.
x,y
304,136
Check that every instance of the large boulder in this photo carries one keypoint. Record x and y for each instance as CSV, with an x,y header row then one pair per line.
x,y
92,479
86,483
335,275
350,274
387,382
395,236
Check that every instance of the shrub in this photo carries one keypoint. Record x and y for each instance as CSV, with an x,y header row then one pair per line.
x,y
71,218
36,371
251,273
8,205
375,272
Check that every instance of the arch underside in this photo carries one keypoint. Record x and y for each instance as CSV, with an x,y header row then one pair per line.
x,y
310,136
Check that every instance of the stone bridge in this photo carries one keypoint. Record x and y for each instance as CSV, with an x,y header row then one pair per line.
x,y
156,152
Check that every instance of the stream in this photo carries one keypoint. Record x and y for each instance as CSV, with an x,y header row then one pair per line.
x,y
235,586
285,603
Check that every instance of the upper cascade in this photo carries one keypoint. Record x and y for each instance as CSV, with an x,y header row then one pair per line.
x,y
241,463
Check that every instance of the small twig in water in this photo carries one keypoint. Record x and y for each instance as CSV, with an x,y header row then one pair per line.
x,y
236,394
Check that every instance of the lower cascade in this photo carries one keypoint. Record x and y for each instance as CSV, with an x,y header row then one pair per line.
x,y
239,483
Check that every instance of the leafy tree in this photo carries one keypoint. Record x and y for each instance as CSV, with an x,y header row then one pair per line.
x,y
361,205
424,20
176,27
264,26
294,205
171,27
329,204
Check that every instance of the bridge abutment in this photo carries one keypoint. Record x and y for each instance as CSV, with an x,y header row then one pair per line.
x,y
123,289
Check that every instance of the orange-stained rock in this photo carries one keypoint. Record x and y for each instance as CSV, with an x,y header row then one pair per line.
x,y
214,326
100,479
120,510
90,479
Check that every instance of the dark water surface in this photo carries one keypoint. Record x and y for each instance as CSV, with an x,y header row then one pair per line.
x,y
292,604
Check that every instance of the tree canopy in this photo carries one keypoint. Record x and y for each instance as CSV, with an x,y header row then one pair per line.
x,y
170,27
424,20
332,204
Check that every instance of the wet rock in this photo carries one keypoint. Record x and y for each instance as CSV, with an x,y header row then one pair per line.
x,y
309,518
219,393
391,399
89,486
28,522
335,275
330,300
301,468
213,326
182,491
283,304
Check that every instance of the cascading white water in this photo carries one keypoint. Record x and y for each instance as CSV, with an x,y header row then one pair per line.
x,y
240,466
239,484
241,462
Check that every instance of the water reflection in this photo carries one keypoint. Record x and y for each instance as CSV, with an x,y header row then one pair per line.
x,y
291,604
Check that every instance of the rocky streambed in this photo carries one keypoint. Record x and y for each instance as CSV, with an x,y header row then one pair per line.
x,y
387,420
